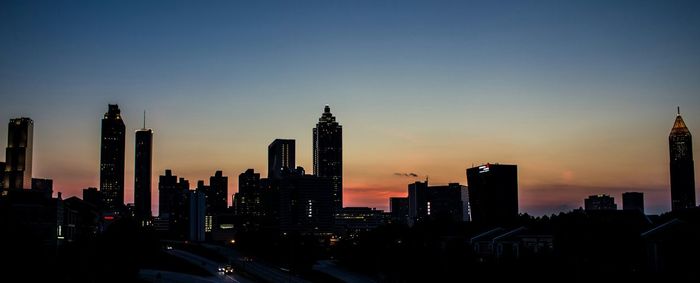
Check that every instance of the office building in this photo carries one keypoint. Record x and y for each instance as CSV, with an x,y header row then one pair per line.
x,y
18,155
445,202
493,193
600,202
328,153
682,166
633,201
112,160
306,203
399,209
280,156
143,164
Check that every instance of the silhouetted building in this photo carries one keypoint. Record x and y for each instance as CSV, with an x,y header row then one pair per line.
x,y
197,211
18,155
446,202
248,200
680,144
354,220
633,201
44,186
112,160
306,203
217,197
600,202
172,202
328,153
493,193
399,209
280,155
2,176
93,196
143,164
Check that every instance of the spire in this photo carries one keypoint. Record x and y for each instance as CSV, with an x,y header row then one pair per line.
x,y
679,127
144,119
327,109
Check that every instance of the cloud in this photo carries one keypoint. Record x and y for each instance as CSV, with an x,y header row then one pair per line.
x,y
406,174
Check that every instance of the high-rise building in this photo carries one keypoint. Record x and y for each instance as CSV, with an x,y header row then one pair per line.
x,y
306,203
445,202
18,155
172,204
633,201
2,176
680,144
493,193
328,153
143,164
600,202
196,207
248,200
112,160
217,198
280,155
399,209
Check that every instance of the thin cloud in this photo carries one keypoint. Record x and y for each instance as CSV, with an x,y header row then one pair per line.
x,y
406,174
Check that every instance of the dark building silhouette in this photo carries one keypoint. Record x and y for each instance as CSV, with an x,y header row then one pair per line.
x,y
143,164
680,144
112,160
328,153
399,209
281,154
493,193
2,176
600,202
446,202
306,203
196,209
217,198
172,204
93,196
248,200
633,201
44,186
18,155
355,220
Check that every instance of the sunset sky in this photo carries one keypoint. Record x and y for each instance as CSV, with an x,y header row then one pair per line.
x,y
581,96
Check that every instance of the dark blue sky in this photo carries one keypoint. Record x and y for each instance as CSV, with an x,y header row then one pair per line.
x,y
580,94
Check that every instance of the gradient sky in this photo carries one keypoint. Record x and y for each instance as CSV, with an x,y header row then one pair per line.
x,y
581,95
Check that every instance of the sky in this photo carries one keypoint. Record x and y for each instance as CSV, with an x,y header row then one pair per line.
x,y
581,95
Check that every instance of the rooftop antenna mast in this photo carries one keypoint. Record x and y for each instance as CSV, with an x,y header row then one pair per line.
x,y
144,119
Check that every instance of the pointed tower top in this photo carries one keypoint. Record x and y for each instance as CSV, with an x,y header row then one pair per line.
x,y
679,127
327,109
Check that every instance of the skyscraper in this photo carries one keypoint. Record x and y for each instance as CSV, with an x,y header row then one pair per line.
x,y
18,155
493,193
217,197
112,159
328,153
248,200
280,155
680,144
142,173
306,204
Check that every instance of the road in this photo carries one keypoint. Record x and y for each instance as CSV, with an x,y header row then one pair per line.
x,y
329,267
211,266
262,270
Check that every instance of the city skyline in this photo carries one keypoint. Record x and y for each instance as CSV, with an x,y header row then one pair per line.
x,y
582,100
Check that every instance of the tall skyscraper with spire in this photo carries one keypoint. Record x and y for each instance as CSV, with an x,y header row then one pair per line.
x,y
18,155
142,173
680,144
328,153
112,159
